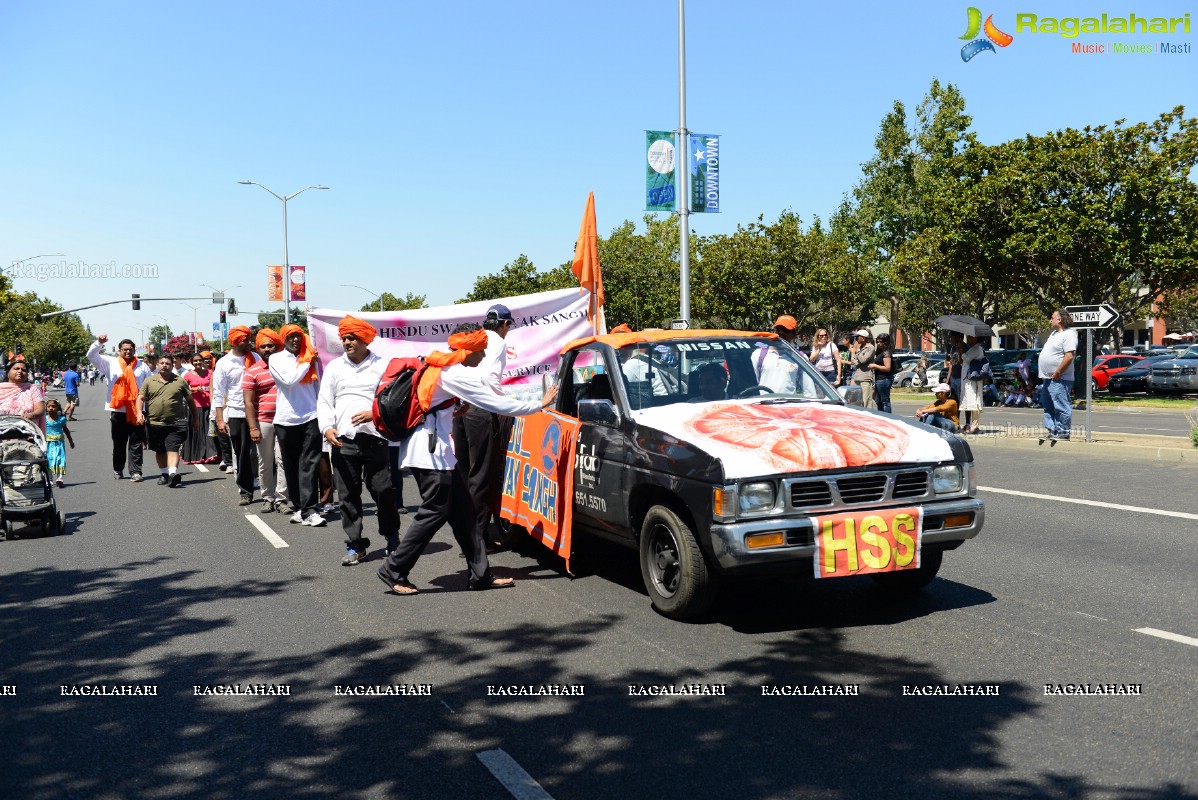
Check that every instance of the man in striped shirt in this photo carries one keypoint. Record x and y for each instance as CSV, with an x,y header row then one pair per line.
x,y
258,389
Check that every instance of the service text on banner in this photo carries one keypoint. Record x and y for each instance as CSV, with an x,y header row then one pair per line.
x,y
538,479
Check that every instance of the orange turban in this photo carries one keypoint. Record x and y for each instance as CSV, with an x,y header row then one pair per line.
x,y
471,341
238,335
206,354
621,328
307,353
268,335
358,327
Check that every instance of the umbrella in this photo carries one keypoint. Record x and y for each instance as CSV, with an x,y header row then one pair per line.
x,y
969,326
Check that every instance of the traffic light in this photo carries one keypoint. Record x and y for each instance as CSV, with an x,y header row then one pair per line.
x,y
222,318
295,316
137,302
232,307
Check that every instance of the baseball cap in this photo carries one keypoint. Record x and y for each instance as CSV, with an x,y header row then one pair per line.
x,y
500,311
862,332
786,321
942,387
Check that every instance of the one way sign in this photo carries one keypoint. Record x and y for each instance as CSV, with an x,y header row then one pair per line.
x,y
1098,316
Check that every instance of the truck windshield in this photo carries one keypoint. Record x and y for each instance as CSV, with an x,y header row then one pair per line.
x,y
719,368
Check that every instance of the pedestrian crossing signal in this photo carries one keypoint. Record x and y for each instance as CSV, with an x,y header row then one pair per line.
x,y
222,318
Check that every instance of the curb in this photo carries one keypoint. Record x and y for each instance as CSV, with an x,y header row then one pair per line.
x,y
1173,454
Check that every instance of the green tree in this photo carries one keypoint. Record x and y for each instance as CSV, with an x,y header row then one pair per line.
x,y
640,273
275,320
48,343
392,303
519,277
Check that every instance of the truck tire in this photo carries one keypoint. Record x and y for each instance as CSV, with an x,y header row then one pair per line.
x,y
672,566
912,580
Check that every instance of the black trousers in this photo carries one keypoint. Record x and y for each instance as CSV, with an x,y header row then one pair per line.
x,y
480,444
247,455
363,459
224,448
126,439
443,499
300,445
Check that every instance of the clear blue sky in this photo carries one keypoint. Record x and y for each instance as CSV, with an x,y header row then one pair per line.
x,y
456,136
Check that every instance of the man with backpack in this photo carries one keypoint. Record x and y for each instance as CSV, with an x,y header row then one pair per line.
x,y
343,411
428,453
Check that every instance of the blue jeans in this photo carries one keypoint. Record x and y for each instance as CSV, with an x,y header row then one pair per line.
x,y
1058,406
882,393
940,421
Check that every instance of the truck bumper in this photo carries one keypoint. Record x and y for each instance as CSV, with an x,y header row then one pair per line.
x,y
731,554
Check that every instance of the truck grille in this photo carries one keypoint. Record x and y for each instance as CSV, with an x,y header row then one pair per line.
x,y
856,490
1173,371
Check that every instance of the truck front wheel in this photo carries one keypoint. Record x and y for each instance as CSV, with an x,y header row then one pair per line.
x,y
912,580
672,565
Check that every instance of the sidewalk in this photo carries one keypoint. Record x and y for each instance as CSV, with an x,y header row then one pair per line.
x,y
1113,445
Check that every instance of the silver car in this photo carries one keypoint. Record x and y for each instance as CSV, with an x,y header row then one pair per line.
x,y
907,379
1176,374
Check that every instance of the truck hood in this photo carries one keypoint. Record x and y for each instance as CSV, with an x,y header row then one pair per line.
x,y
751,438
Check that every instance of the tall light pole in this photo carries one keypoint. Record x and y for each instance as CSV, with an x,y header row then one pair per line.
x,y
16,264
363,288
683,167
286,263
195,315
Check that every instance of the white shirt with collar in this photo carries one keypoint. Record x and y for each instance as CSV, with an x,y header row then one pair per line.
x,y
295,401
466,384
110,368
226,384
494,360
345,389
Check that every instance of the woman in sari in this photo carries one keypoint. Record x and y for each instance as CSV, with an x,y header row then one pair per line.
x,y
21,397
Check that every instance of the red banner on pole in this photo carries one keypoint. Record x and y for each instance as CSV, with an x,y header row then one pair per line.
x,y
538,478
299,280
274,283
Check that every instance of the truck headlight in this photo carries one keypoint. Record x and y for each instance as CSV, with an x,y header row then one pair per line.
x,y
946,479
756,497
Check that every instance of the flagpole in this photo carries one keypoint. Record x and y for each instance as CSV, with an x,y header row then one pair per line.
x,y
682,167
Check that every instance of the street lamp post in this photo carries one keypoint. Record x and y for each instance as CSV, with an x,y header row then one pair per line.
x,y
286,262
363,288
16,264
220,336
195,315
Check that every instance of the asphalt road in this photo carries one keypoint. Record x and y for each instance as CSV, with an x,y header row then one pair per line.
x,y
177,589
1151,421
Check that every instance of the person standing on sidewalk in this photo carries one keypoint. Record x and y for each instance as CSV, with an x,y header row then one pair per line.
x,y
883,367
168,402
861,355
1055,369
124,375
429,454
344,413
259,390
296,375
228,404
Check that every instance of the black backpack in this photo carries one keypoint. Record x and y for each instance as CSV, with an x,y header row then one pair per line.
x,y
396,411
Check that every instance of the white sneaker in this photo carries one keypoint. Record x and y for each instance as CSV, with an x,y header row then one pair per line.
x,y
314,520
297,518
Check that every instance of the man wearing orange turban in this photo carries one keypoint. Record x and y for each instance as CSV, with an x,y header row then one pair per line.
x,y
258,389
428,454
295,372
125,375
344,414
228,405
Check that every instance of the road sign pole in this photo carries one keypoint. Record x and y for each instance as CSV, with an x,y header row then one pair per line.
x,y
1089,383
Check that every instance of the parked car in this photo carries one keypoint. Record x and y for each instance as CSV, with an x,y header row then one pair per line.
x,y
907,379
1176,374
689,455
1106,366
1135,378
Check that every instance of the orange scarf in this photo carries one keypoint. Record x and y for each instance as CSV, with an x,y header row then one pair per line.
x,y
463,345
124,390
307,353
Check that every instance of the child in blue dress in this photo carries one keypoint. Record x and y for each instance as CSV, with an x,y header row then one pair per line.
x,y
56,431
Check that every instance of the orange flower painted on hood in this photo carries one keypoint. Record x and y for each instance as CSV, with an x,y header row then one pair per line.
x,y
797,438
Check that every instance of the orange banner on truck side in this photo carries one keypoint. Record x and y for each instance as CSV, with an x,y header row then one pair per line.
x,y
538,478
858,543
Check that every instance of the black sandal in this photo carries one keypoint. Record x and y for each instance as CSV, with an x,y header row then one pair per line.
x,y
404,583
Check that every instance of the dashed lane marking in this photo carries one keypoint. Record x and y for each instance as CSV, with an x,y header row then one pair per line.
x,y
512,776
1097,504
1173,637
201,467
265,530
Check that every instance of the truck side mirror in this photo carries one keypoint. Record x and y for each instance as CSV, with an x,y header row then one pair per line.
x,y
602,412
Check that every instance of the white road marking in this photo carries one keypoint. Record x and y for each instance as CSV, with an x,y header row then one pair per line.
x,y
265,530
200,467
1173,637
1091,616
512,776
1139,509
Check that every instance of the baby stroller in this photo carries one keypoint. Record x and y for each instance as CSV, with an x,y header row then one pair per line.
x,y
26,492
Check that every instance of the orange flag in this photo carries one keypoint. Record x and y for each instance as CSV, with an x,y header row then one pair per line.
x,y
586,258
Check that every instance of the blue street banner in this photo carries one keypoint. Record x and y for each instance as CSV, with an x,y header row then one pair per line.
x,y
660,156
704,158
216,330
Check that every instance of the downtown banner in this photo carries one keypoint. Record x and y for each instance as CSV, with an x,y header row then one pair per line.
x,y
703,154
661,159
545,322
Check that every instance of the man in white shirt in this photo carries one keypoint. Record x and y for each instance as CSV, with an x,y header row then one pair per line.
x,y
1056,377
344,414
228,404
295,370
127,438
778,373
480,437
429,455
